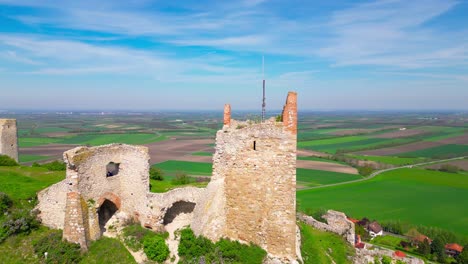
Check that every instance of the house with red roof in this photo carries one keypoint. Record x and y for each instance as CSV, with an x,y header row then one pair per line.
x,y
453,249
399,254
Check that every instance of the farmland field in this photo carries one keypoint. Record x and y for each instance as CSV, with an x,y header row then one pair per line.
x,y
171,167
101,139
311,178
416,196
444,151
389,160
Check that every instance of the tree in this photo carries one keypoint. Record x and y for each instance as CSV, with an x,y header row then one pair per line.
x,y
438,249
449,168
463,257
424,248
366,170
386,260
156,174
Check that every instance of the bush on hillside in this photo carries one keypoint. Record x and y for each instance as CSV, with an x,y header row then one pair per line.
x,y
17,222
5,203
155,248
181,179
58,250
7,161
156,174
193,249
365,170
317,214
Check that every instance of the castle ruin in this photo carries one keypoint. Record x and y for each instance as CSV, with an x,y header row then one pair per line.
x,y
9,138
251,196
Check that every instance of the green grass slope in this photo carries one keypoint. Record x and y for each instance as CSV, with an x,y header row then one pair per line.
x,y
323,247
171,167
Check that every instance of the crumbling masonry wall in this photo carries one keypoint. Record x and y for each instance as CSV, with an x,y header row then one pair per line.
x,y
252,194
9,138
73,204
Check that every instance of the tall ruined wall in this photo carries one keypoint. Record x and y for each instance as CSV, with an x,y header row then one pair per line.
x,y
252,193
9,138
130,184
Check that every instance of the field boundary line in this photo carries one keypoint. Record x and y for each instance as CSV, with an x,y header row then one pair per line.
x,y
376,173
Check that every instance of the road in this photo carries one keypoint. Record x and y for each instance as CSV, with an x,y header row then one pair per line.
x,y
375,173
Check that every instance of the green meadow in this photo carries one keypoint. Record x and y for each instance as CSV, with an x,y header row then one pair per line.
x,y
171,167
31,158
21,183
92,139
444,151
101,139
416,196
312,178
389,159
349,143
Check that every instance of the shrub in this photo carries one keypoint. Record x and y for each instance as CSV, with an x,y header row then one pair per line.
x,y
58,251
7,161
155,248
365,170
449,168
386,260
180,179
317,214
5,202
156,174
19,221
135,235
193,249
55,166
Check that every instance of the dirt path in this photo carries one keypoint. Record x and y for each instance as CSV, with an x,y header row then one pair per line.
x,y
179,222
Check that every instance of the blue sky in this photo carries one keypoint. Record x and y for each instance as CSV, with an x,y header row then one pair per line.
x,y
148,55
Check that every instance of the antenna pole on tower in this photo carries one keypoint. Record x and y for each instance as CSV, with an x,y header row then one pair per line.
x,y
263,76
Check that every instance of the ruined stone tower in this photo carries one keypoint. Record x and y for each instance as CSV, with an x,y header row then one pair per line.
x,y
252,194
9,138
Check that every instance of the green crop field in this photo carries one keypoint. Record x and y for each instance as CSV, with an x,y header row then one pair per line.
x,y
444,151
349,143
416,196
101,139
389,160
202,153
192,168
32,142
30,158
311,178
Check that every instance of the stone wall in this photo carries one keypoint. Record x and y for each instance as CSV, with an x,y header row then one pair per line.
x,y
9,138
337,223
252,193
73,204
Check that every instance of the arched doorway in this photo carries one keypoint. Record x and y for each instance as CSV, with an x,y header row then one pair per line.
x,y
105,212
176,209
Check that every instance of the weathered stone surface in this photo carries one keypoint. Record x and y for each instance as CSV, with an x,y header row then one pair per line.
x,y
73,204
9,138
227,114
252,194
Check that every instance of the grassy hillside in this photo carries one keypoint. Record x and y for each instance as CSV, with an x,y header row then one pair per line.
x,y
323,247
416,196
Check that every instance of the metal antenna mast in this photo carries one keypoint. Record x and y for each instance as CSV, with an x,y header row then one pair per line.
x,y
263,76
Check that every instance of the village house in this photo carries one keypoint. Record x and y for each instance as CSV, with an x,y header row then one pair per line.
x,y
453,249
374,229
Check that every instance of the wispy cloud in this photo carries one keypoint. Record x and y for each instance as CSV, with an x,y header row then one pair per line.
x,y
393,33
